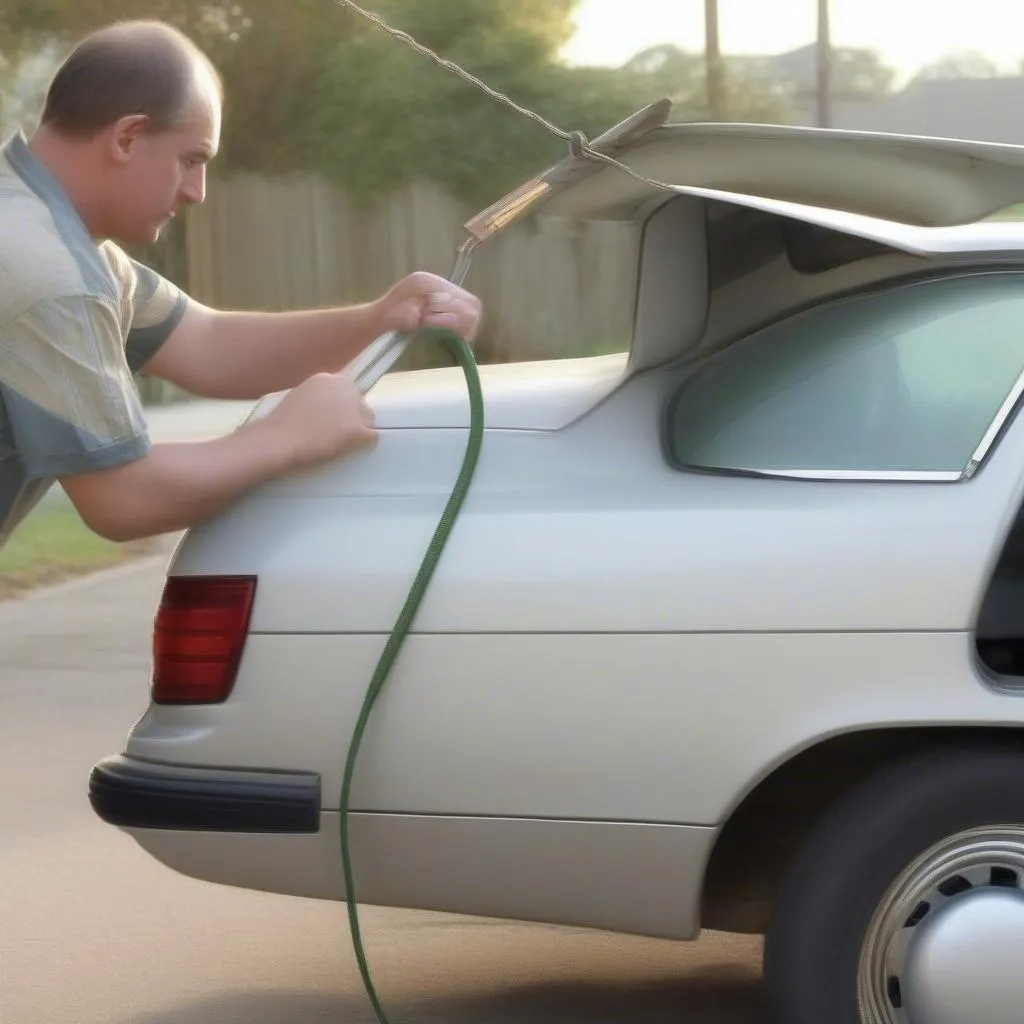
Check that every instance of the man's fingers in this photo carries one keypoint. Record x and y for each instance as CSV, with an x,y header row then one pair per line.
x,y
459,313
438,302
426,300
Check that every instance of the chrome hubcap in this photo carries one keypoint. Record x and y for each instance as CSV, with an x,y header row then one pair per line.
x,y
945,944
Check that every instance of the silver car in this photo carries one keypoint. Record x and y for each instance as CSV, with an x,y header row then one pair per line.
x,y
730,634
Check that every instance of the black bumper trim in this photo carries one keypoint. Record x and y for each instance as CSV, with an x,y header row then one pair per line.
x,y
137,794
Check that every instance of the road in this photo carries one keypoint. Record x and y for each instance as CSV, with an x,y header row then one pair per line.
x,y
94,932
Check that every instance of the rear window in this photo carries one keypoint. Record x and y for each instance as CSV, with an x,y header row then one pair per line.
x,y
909,380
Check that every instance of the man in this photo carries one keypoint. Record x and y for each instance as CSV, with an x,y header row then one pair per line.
x,y
131,120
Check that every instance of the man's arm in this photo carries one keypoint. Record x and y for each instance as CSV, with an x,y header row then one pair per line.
x,y
174,486
241,355
74,414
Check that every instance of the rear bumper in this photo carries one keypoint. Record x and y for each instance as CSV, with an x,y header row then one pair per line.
x,y
130,793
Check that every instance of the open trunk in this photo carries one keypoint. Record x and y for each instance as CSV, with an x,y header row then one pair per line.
x,y
922,197
912,180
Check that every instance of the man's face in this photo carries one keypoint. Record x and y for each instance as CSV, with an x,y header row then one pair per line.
x,y
156,174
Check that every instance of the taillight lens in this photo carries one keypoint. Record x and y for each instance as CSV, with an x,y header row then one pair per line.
x,y
199,636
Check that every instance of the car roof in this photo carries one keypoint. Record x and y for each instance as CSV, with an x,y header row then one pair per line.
x,y
915,193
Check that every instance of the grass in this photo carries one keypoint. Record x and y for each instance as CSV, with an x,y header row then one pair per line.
x,y
1015,212
53,544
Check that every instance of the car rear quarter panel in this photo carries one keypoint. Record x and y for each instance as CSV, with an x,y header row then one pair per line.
x,y
606,638
588,530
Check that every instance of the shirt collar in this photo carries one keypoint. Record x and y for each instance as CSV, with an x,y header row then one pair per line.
x,y
40,179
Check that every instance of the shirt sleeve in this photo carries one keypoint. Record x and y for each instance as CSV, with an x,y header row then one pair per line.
x,y
67,390
157,307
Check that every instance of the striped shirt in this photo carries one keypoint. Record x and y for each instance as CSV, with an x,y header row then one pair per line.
x,y
77,320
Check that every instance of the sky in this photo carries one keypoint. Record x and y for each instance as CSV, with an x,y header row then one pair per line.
x,y
908,33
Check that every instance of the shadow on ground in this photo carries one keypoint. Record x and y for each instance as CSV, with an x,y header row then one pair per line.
x,y
729,996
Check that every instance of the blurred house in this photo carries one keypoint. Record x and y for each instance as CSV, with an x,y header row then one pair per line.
x,y
989,109
986,109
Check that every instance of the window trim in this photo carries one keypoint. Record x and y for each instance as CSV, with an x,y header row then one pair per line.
x,y
999,423
882,475
1002,419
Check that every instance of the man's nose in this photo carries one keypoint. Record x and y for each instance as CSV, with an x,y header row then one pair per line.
x,y
194,189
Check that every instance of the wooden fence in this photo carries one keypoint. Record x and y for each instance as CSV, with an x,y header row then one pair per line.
x,y
550,287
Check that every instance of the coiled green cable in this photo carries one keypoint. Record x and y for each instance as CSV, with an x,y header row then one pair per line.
x,y
464,354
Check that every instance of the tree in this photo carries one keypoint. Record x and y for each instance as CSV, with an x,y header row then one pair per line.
x,y
749,94
859,74
384,115
310,85
23,25
854,74
268,52
24,76
958,64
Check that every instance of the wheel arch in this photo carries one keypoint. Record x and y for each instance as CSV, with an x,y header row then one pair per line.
x,y
761,833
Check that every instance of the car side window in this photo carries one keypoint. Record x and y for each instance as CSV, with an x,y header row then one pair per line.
x,y
909,380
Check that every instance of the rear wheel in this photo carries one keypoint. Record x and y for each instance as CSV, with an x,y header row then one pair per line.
x,y
906,903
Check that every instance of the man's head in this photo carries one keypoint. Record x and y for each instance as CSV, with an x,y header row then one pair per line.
x,y
131,119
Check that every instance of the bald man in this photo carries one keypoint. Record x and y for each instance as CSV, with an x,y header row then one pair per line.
x,y
131,121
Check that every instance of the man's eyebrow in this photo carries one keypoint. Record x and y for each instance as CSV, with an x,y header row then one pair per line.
x,y
201,153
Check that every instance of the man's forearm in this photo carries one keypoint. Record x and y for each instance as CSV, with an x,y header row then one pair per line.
x,y
254,354
249,355
178,485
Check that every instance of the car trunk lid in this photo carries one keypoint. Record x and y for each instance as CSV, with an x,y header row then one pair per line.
x,y
915,180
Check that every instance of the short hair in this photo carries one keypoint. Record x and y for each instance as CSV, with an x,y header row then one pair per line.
x,y
138,67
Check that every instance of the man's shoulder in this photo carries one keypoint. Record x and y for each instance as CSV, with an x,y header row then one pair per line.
x,y
35,261
124,269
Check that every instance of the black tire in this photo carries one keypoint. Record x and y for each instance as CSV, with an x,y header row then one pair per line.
x,y
853,855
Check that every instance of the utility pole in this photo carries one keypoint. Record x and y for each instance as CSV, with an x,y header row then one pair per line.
x,y
713,58
824,66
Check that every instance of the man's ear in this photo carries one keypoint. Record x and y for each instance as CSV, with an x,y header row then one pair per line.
x,y
125,135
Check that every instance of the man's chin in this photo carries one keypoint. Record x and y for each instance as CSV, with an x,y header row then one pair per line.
x,y
156,231
137,239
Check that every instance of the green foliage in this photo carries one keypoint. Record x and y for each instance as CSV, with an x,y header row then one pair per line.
x,y
753,92
859,74
760,88
311,86
23,26
23,22
53,544
385,114
958,64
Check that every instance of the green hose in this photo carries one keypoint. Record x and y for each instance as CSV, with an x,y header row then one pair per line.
x,y
391,650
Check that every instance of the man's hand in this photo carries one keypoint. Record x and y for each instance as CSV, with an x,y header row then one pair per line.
x,y
426,300
323,418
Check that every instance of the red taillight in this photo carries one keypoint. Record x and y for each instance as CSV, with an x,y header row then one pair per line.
x,y
199,635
